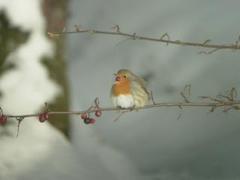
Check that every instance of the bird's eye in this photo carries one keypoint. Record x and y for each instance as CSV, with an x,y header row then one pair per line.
x,y
125,76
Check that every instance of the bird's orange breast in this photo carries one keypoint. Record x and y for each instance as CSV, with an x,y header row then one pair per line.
x,y
121,88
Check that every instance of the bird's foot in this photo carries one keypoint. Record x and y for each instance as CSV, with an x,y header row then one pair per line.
x,y
133,108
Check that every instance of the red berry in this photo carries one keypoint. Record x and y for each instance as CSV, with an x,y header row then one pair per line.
x,y
40,118
89,121
98,113
92,121
84,116
3,119
43,117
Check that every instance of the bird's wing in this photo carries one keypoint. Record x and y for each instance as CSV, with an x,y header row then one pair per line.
x,y
139,81
139,84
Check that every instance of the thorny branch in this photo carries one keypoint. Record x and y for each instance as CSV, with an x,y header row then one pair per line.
x,y
226,102
234,104
165,38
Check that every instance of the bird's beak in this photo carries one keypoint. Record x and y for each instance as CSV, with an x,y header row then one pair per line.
x,y
118,78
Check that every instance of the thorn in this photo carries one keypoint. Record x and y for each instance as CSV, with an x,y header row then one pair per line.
x,y
184,97
116,28
187,90
151,95
165,35
212,109
134,36
202,52
46,105
1,110
180,107
237,43
19,119
205,42
119,115
77,28
179,116
96,102
233,94
186,93
212,99
209,52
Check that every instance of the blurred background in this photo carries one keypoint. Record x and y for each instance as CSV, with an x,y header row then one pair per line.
x,y
69,71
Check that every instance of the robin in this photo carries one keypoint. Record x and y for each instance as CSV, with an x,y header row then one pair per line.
x,y
129,90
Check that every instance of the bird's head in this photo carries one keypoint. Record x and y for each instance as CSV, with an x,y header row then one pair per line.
x,y
122,76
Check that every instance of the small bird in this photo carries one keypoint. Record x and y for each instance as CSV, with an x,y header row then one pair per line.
x,y
129,90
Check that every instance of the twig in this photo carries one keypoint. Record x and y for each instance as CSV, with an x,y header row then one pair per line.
x,y
179,116
119,115
117,32
19,119
212,99
156,105
186,93
228,103
210,52
184,97
151,96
